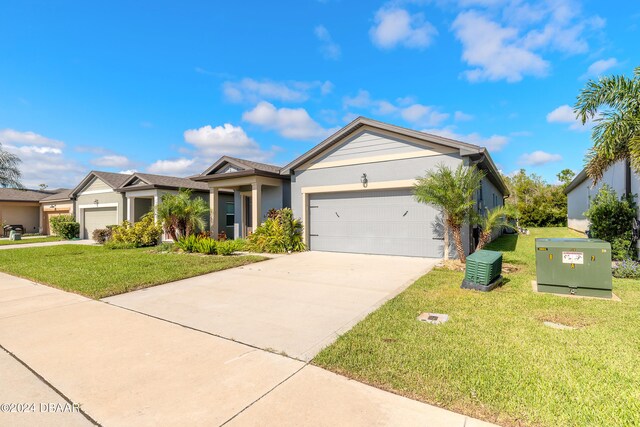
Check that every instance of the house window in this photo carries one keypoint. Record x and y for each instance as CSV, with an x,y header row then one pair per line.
x,y
231,214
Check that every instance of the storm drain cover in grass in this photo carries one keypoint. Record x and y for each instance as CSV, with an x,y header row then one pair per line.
x,y
434,318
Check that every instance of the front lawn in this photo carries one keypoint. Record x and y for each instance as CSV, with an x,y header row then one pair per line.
x,y
5,242
97,272
494,359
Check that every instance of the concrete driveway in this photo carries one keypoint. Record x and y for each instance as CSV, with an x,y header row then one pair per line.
x,y
295,304
122,368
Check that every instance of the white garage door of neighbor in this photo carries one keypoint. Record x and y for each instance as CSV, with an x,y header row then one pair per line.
x,y
98,218
386,222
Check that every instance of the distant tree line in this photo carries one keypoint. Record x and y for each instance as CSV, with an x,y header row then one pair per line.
x,y
536,202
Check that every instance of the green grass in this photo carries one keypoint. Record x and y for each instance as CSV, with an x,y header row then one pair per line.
x,y
4,242
494,359
97,272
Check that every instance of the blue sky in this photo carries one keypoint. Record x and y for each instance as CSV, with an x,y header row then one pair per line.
x,y
168,87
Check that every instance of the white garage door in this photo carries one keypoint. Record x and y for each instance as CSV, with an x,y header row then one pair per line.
x,y
98,218
373,222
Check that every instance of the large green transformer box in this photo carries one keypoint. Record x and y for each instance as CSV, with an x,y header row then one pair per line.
x,y
574,267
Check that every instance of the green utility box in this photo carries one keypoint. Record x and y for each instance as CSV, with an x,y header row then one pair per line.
x,y
15,235
574,267
483,270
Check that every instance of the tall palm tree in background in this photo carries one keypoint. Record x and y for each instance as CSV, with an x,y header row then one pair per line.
x,y
453,192
9,171
613,102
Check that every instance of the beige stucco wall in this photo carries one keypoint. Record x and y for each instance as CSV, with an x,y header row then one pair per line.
x,y
26,214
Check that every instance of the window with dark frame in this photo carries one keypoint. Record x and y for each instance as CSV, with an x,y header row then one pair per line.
x,y
231,214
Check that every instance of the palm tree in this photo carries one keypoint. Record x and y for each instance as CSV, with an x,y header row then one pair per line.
x,y
9,171
613,102
181,215
493,219
452,191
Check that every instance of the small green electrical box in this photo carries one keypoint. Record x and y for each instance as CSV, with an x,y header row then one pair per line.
x,y
482,271
574,267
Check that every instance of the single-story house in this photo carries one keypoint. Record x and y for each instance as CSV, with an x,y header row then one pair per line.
x,y
59,203
621,177
144,191
353,191
21,207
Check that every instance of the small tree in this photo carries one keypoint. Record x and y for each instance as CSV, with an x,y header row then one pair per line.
x,y
611,219
9,169
452,191
181,215
493,220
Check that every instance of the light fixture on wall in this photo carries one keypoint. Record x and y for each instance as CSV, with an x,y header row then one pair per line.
x,y
96,201
364,180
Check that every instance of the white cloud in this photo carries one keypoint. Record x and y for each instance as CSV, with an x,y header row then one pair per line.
x,y
423,115
460,116
293,123
252,91
538,158
207,144
394,26
112,161
43,159
600,67
11,136
329,48
506,39
178,167
565,114
492,143
494,50
128,171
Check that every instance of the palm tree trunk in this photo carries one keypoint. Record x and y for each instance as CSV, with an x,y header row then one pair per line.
x,y
485,237
446,240
457,239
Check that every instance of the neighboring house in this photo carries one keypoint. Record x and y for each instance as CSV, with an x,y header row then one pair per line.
x,y
353,191
97,201
59,203
581,190
256,188
144,191
21,207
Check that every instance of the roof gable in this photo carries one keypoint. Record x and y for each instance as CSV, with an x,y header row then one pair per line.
x,y
110,179
228,164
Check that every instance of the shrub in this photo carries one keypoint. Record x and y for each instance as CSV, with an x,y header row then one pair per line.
x,y
627,269
101,235
611,219
65,226
226,247
165,247
278,234
241,245
143,233
205,245
188,243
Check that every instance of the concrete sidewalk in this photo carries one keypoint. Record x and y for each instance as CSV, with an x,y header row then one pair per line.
x,y
128,369
37,245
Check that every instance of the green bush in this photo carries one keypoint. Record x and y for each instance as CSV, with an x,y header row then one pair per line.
x,y
187,243
627,269
165,247
101,235
143,233
205,245
226,247
280,233
611,219
241,245
65,226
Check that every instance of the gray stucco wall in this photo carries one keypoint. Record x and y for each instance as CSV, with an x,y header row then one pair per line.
x,y
578,199
271,199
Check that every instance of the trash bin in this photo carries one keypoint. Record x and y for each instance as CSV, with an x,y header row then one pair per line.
x,y
15,235
483,270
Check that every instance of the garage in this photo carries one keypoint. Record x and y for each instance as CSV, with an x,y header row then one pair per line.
x,y
386,222
98,218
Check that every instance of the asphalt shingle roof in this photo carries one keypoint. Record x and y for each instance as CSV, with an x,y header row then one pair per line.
x,y
61,194
256,165
114,180
171,181
16,195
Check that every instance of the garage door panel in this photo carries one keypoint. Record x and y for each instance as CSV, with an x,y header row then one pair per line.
x,y
374,222
98,218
